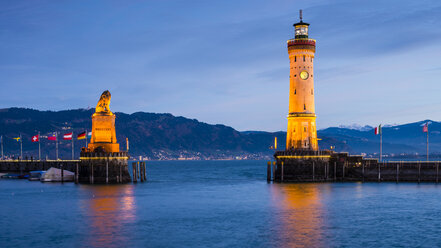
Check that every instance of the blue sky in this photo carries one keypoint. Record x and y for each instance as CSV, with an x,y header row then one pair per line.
x,y
223,61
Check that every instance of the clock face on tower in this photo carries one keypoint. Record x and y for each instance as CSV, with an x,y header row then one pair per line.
x,y
304,75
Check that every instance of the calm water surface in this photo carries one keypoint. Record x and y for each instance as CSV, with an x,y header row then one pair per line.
x,y
218,204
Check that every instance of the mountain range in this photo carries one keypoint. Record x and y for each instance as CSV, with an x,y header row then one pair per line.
x,y
164,136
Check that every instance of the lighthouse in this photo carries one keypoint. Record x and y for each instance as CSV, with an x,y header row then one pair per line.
x,y
302,161
301,131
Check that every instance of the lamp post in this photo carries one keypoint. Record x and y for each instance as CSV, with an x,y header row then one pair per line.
x,y
21,147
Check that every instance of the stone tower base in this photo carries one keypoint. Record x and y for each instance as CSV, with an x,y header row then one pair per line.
x,y
101,168
303,165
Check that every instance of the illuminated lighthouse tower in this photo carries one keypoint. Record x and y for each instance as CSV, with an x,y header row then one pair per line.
x,y
301,132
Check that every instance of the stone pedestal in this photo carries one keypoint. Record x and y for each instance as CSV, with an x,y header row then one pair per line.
x,y
103,133
102,168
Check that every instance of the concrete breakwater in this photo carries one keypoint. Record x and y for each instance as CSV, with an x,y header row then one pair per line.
x,y
25,166
93,168
328,166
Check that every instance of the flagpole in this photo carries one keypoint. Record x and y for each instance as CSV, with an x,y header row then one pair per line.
x,y
21,148
427,143
72,146
39,149
56,145
381,145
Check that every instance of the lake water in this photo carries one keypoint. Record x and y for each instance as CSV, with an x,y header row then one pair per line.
x,y
218,204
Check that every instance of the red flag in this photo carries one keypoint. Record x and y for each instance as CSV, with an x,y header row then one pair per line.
x,y
425,128
67,136
52,136
35,138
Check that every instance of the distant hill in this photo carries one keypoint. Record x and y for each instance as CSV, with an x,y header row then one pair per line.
x,y
154,135
164,136
406,138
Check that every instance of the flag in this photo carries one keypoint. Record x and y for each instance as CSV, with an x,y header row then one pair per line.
x,y
35,138
52,136
67,136
89,134
378,130
81,136
17,139
426,127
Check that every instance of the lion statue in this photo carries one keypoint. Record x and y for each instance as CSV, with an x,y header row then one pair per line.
x,y
103,103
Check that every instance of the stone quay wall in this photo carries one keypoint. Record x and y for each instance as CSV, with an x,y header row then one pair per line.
x,y
25,166
295,166
101,168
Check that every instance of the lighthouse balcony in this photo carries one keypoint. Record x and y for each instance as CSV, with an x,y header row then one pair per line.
x,y
308,44
301,114
293,42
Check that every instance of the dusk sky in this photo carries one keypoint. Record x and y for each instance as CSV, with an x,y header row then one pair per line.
x,y
223,62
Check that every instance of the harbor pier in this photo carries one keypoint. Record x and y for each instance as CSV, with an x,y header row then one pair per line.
x,y
25,166
100,162
327,166
90,169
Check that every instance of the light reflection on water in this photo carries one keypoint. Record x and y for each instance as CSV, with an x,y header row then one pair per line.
x,y
218,204
110,209
300,215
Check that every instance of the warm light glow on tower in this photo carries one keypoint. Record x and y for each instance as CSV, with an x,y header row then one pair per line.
x,y
103,127
301,132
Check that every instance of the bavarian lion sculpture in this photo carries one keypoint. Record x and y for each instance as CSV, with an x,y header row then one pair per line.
x,y
103,103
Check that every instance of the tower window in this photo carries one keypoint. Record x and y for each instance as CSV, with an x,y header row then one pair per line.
x,y
311,59
295,91
304,129
295,58
304,106
304,58
312,92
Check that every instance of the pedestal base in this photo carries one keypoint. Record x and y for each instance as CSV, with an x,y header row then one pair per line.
x,y
302,165
101,168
